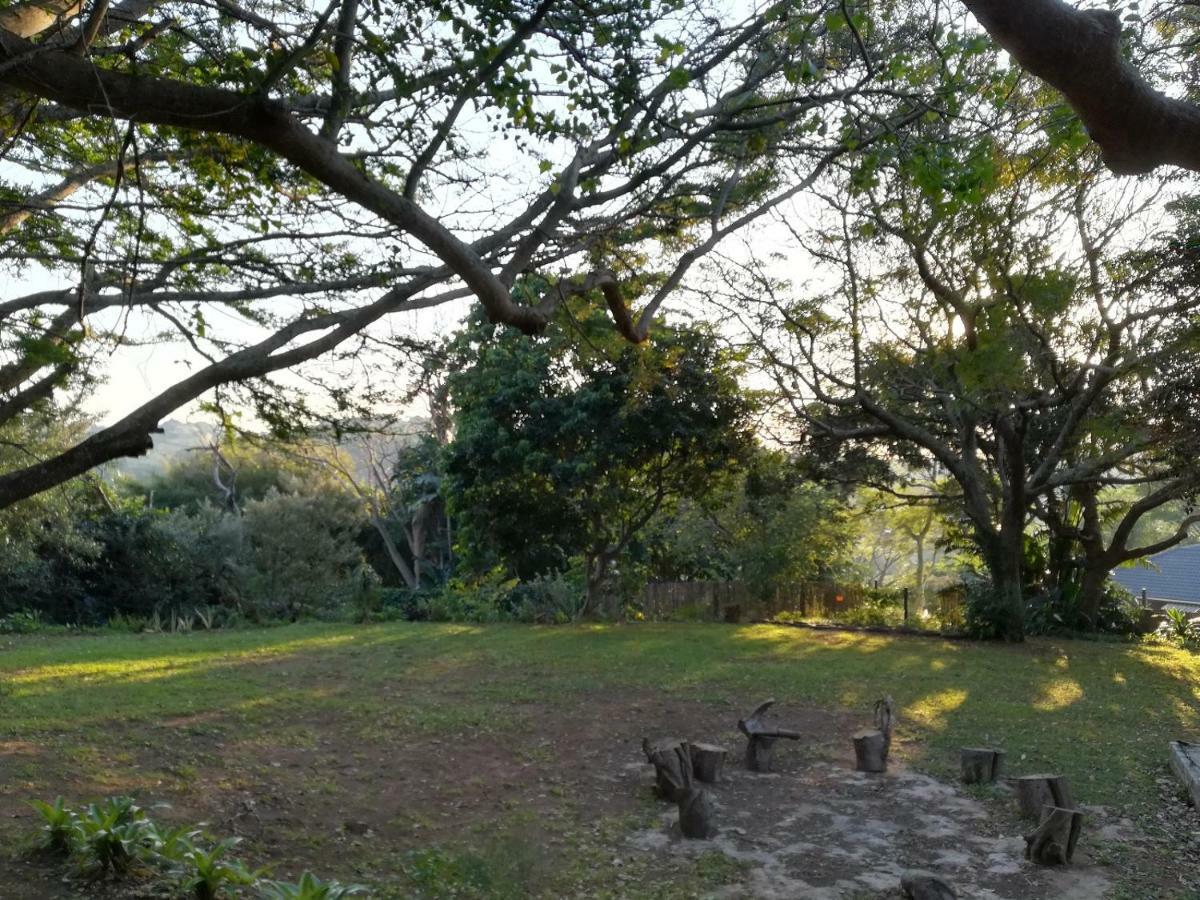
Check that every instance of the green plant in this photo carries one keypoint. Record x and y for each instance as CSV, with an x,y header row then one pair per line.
x,y
209,873
23,621
130,622
554,598
172,843
59,824
1178,628
309,887
110,835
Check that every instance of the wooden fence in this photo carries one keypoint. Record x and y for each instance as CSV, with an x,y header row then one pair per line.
x,y
732,601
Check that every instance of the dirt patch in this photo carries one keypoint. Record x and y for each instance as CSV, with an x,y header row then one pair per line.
x,y
326,792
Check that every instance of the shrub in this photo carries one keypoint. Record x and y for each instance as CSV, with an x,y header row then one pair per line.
x,y
309,887
108,837
23,621
875,612
550,599
208,872
1179,628
59,824
480,599
302,553
986,611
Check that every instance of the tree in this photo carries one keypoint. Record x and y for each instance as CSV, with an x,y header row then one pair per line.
x,y
985,320
1080,52
565,449
265,207
398,482
768,526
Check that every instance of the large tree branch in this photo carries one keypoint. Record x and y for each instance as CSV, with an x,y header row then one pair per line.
x,y
1137,127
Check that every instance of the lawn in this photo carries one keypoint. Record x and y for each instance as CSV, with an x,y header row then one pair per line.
x,y
426,759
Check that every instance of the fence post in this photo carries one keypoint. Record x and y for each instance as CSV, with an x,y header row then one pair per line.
x,y
1143,598
906,606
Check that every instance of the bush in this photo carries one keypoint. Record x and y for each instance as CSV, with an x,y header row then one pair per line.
x,y
986,611
404,604
23,621
1059,612
550,599
480,599
303,554
111,836
876,612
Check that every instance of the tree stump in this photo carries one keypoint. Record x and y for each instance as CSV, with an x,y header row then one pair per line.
x,y
696,814
981,765
1035,792
672,767
761,737
1185,763
871,747
1052,843
924,886
708,761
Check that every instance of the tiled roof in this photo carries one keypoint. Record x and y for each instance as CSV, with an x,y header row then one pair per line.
x,y
1174,575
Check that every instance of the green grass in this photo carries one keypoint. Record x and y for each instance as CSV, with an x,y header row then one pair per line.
x,y
1098,712
1101,710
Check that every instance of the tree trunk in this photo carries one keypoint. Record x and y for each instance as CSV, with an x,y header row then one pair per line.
x,y
921,572
1008,599
708,761
981,765
1052,843
1091,589
696,814
1035,792
870,751
597,582
381,526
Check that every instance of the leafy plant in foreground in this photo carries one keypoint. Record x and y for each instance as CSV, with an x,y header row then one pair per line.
x,y
59,824
309,887
210,872
111,834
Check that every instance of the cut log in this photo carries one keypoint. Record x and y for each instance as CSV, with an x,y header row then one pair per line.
x,y
672,767
924,886
1052,843
1035,792
761,737
696,819
871,747
870,751
981,765
1185,763
708,761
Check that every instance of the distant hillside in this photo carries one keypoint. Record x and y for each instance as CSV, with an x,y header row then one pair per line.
x,y
177,438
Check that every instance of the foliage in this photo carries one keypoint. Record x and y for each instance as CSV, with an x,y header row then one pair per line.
x,y
59,824
1179,628
208,871
636,137
302,552
566,449
23,621
554,598
309,887
110,836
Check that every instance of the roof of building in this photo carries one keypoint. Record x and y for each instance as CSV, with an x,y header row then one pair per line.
x,y
1173,575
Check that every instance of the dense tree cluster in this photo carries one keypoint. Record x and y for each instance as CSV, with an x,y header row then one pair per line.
x,y
981,315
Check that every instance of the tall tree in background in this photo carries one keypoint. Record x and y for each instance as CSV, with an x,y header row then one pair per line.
x,y
988,318
266,183
568,448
